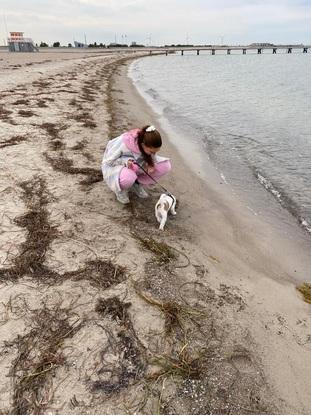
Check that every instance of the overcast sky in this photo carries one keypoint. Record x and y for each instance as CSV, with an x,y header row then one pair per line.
x,y
159,21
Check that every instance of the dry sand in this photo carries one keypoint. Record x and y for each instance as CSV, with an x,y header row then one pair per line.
x,y
101,313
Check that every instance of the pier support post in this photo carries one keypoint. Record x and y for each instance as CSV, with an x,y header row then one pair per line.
x,y
244,51
289,50
228,51
166,53
198,52
213,51
259,51
305,50
274,51
182,53
150,52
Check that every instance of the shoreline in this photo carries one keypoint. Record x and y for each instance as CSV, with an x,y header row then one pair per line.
x,y
255,231
248,254
101,312
244,175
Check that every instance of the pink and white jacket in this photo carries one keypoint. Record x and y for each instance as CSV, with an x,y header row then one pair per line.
x,y
118,151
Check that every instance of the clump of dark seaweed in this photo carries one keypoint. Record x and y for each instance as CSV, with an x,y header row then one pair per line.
x,y
85,118
87,94
79,146
163,252
305,290
114,308
26,113
39,234
129,364
185,365
101,274
13,141
176,315
52,129
41,84
4,113
39,354
66,166
21,102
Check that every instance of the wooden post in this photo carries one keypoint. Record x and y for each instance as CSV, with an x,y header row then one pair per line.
x,y
198,52
244,51
289,50
150,52
228,51
166,53
182,53
259,51
305,50
213,51
274,51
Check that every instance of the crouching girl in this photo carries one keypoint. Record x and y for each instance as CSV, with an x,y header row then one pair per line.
x,y
124,155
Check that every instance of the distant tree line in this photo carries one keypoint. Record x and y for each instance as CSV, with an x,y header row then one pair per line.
x,y
178,46
95,45
45,45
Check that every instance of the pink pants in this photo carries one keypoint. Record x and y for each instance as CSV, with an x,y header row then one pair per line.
x,y
128,177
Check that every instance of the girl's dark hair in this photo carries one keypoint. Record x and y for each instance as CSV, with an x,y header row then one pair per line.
x,y
150,139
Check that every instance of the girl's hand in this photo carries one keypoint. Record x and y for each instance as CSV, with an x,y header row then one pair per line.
x,y
130,163
150,169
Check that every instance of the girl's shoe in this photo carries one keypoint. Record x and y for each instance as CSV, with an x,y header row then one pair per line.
x,y
140,191
123,197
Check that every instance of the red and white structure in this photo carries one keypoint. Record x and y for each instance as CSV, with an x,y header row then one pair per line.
x,y
18,43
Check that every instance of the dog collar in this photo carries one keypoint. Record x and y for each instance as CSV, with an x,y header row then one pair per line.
x,y
171,196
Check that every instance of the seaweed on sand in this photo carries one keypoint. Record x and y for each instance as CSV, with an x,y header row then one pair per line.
x,y
305,290
85,118
5,113
101,274
39,354
26,113
114,308
39,234
185,365
175,314
13,141
66,166
161,250
129,362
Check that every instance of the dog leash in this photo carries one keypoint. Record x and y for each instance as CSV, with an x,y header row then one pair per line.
x,y
166,191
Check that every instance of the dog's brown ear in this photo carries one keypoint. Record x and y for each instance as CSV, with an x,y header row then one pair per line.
x,y
166,206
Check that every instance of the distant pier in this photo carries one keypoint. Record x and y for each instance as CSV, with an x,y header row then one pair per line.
x,y
228,49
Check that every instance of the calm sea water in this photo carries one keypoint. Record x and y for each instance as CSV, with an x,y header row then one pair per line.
x,y
250,113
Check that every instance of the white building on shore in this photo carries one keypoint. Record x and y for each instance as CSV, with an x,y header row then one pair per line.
x,y
18,43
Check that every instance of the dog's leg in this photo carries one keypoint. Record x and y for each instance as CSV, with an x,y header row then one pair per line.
x,y
157,213
163,220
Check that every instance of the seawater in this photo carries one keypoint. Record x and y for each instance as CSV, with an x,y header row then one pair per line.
x,y
251,115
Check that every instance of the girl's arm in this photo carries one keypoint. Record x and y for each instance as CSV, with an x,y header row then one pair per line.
x,y
113,158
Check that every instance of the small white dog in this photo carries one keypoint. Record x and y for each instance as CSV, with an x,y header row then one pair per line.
x,y
164,205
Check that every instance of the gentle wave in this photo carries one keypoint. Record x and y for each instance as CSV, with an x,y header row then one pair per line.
x,y
269,186
286,202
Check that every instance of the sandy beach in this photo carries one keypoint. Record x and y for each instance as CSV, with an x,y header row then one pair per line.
x,y
102,313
